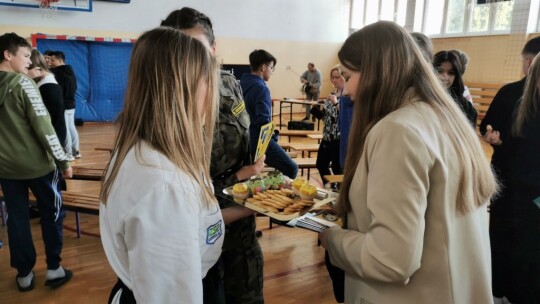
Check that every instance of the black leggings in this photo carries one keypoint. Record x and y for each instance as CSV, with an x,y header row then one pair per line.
x,y
328,153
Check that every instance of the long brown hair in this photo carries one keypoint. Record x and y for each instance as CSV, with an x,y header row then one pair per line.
x,y
161,108
528,108
389,63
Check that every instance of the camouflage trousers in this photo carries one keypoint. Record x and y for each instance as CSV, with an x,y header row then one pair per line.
x,y
239,269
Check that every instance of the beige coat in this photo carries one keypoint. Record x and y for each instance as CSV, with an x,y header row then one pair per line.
x,y
405,242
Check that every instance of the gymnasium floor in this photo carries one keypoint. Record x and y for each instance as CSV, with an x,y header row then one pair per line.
x,y
294,270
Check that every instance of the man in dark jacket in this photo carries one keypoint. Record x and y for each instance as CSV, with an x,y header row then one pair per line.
x,y
68,82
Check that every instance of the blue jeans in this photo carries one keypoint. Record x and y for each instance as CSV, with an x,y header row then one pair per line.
x,y
72,137
276,157
46,189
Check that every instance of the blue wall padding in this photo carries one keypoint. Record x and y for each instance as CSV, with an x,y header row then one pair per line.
x,y
102,71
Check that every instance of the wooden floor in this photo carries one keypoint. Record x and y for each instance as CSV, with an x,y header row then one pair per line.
x,y
294,270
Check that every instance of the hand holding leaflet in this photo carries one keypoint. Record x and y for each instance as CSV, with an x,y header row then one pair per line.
x,y
265,136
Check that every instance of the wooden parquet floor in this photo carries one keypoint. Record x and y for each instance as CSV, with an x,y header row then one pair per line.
x,y
294,270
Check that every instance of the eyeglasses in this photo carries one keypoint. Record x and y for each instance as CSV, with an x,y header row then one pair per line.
x,y
271,67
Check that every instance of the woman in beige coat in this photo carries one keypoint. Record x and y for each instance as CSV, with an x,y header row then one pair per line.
x,y
416,182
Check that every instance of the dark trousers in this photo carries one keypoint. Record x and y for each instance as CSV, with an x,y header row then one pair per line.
x,y
276,157
213,292
46,189
328,153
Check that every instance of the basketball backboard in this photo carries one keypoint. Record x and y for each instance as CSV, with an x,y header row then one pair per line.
x,y
68,5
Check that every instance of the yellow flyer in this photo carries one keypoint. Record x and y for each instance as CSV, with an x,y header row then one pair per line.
x,y
265,135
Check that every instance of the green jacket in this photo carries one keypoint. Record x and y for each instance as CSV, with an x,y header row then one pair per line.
x,y
29,147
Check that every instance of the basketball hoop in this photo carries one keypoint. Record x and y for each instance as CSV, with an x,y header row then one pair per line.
x,y
48,8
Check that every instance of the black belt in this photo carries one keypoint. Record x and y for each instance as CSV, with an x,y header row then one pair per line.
x,y
126,297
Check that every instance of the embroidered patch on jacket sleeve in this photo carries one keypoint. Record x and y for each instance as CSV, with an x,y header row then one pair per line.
x,y
213,232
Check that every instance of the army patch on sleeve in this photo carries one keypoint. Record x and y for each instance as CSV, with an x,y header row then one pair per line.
x,y
213,233
239,108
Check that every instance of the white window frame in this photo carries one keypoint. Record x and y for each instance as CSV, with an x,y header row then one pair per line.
x,y
466,21
364,12
420,21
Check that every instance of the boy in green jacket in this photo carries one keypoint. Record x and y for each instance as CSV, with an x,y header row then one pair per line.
x,y
31,157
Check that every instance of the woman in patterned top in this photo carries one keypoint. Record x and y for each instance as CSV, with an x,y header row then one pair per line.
x,y
329,148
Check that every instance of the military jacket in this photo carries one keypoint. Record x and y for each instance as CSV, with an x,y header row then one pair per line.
x,y
230,150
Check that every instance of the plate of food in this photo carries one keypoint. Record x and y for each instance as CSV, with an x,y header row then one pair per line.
x,y
273,196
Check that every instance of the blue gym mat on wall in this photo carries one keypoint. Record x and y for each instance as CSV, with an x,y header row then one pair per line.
x,y
101,69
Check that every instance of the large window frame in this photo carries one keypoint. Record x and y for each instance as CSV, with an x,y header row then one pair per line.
x,y
360,7
360,18
469,11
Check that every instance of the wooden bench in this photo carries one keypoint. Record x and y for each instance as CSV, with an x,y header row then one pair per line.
x,y
87,173
298,133
306,163
305,148
335,178
482,95
82,196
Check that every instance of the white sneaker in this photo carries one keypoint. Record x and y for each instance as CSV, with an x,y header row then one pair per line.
x,y
77,154
70,158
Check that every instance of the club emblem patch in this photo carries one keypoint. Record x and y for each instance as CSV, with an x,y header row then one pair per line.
x,y
213,233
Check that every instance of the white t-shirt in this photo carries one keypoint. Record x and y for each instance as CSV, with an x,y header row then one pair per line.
x,y
158,236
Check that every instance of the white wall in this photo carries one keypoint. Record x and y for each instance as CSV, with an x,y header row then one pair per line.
x,y
293,20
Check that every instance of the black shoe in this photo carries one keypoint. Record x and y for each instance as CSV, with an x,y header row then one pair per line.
x,y
258,233
55,283
305,118
27,288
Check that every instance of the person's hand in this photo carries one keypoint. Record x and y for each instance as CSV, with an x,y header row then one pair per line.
x,y
304,81
258,166
323,237
492,137
332,98
248,171
68,173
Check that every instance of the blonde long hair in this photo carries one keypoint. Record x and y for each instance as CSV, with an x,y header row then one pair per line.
x,y
166,70
390,62
528,108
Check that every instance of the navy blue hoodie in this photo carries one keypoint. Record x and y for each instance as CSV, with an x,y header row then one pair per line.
x,y
258,102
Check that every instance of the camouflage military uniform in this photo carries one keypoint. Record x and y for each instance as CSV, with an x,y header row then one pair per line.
x,y
241,261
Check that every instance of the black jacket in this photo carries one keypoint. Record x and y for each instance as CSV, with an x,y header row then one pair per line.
x,y
68,82
500,117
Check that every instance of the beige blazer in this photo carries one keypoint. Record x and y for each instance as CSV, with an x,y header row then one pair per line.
x,y
405,242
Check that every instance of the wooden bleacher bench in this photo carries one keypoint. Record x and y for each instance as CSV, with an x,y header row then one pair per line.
x,y
482,95
335,178
81,196
305,148
86,173
298,133
306,163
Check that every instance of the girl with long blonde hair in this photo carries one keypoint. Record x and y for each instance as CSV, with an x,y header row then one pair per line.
x,y
416,182
160,225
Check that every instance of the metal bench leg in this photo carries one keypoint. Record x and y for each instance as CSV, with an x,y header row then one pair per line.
x,y
269,223
308,174
78,223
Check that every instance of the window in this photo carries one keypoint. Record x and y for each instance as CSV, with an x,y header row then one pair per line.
x,y
439,18
466,17
365,12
